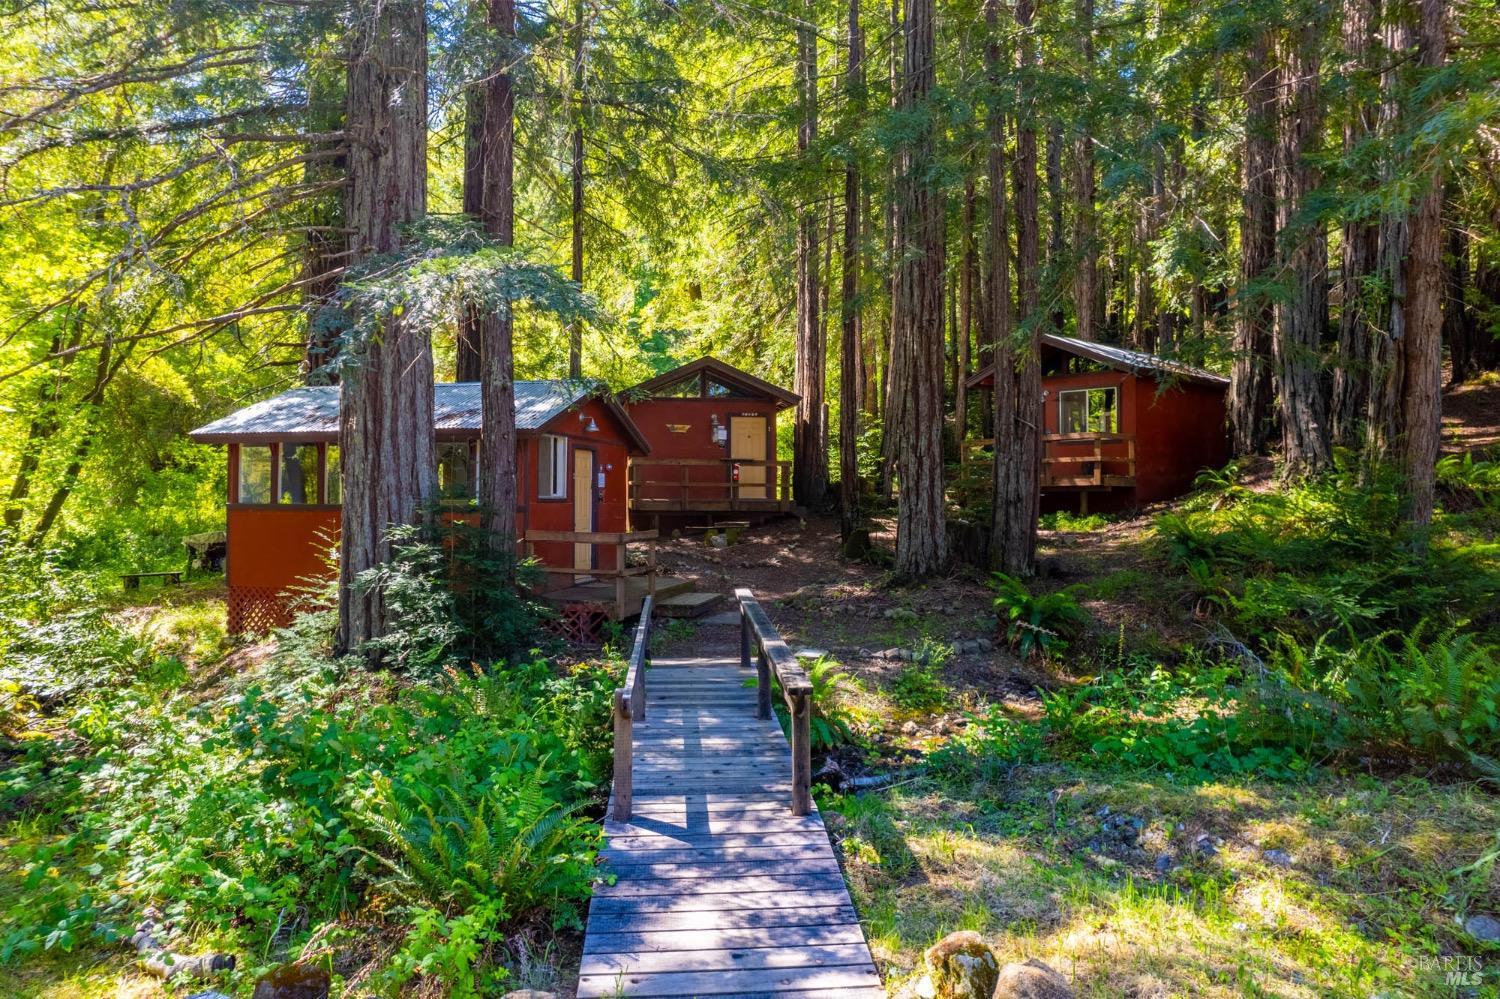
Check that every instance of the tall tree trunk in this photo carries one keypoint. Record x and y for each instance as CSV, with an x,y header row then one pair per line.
x,y
1250,385
466,350
1421,403
1306,446
965,330
1056,244
917,343
1387,352
849,328
890,405
1086,253
1018,382
575,330
809,437
385,417
1165,318
497,389
1361,243
1460,331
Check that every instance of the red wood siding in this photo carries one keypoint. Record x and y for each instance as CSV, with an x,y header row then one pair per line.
x,y
1181,431
654,416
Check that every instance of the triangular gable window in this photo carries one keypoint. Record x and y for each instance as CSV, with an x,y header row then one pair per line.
x,y
719,390
690,387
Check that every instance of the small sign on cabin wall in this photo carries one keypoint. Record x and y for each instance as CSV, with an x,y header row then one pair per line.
x,y
679,428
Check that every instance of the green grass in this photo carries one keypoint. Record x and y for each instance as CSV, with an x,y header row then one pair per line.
x,y
1367,906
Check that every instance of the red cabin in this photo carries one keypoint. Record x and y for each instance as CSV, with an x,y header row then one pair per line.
x,y
574,444
1120,426
712,431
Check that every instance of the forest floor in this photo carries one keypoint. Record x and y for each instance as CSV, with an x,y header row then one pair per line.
x,y
1345,879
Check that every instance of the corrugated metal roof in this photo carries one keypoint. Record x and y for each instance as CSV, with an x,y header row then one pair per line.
x,y
1132,360
312,413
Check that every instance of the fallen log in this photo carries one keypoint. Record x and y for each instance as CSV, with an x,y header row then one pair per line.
x,y
161,961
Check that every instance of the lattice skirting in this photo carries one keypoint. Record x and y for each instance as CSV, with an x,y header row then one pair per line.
x,y
255,610
581,622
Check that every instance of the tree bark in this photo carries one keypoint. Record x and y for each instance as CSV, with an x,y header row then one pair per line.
x,y
889,405
1460,331
497,390
1306,446
849,329
809,433
1056,244
385,419
964,331
1421,403
1250,388
325,248
1357,332
1086,253
466,359
917,341
1018,382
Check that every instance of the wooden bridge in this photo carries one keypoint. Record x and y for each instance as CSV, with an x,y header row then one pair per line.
x,y
724,880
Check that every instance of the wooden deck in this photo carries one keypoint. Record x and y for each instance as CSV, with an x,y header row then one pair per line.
x,y
720,890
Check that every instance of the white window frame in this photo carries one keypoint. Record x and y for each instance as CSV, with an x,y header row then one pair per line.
x,y
1088,413
554,487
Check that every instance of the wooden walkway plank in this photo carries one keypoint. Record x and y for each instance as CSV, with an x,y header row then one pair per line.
x,y
713,887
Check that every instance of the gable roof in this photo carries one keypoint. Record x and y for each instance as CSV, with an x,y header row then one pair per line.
x,y
1134,362
726,373
311,413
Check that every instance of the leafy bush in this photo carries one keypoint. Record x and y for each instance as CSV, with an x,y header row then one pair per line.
x,y
1035,623
831,724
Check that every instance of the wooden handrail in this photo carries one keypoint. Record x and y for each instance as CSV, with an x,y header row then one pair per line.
x,y
708,462
629,708
592,537
773,657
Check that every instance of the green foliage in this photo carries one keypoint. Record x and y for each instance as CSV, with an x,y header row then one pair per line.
x,y
919,685
831,724
1062,520
1035,624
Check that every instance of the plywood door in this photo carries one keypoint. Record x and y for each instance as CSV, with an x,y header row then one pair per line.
x,y
583,507
747,443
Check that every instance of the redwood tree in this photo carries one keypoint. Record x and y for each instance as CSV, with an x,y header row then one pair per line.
x,y
1018,380
849,330
1250,377
917,331
385,419
497,444
809,431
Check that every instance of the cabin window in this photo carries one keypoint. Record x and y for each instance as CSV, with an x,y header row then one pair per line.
x,y
255,474
455,471
1088,411
690,387
299,474
552,467
335,490
718,390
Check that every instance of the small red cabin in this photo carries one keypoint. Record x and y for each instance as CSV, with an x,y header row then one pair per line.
x,y
712,431
1120,426
574,444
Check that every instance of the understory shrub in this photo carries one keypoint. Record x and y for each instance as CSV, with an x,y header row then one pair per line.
x,y
1035,624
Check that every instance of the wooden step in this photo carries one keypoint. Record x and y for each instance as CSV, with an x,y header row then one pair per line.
x,y
693,604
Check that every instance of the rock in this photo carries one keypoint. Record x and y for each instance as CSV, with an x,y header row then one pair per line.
x,y
208,994
1204,845
1482,927
901,614
1278,857
528,994
810,653
962,966
910,728
830,774
292,981
719,541
985,645
919,987
1032,980
1164,863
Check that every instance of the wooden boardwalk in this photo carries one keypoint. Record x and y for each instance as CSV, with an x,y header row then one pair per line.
x,y
719,890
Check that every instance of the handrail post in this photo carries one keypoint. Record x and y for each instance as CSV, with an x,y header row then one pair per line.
x,y
763,686
624,757
801,754
744,638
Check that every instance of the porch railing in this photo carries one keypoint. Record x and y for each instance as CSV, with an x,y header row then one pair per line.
x,y
1071,461
618,541
773,657
629,708
667,484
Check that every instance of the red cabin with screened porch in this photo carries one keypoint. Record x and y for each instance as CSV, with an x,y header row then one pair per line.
x,y
1120,428
712,432
574,445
